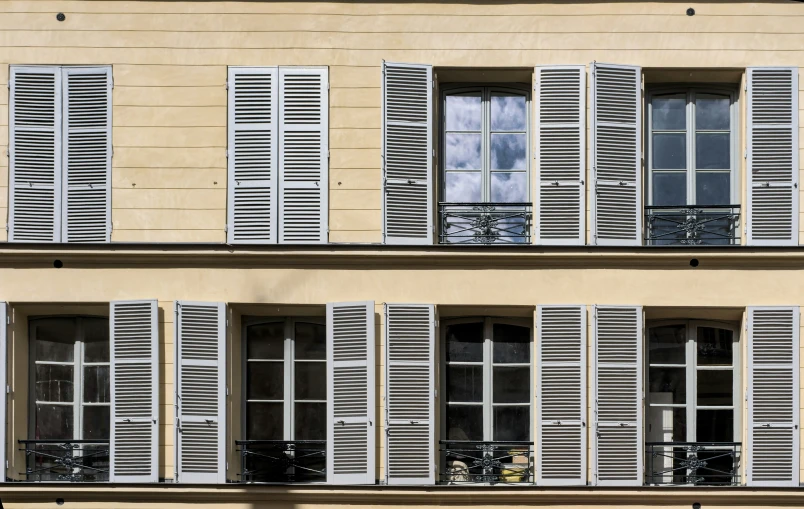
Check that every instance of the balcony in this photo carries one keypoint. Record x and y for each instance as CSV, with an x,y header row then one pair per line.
x,y
486,462
692,225
66,460
282,461
485,223
692,463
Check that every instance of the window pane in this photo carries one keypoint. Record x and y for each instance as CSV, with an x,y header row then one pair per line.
x,y
669,112
509,187
511,343
666,424
266,341
96,422
97,351
96,339
462,151
509,151
54,383
512,423
715,346
715,426
511,385
96,384
669,188
668,385
464,422
310,341
54,421
311,421
669,151
667,344
465,342
311,380
462,187
465,383
265,421
712,188
715,388
508,112
265,380
55,339
712,151
712,112
464,112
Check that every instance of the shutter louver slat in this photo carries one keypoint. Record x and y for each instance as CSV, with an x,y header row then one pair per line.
x,y
407,150
350,395
560,138
617,154
618,444
410,340
135,391
562,389
773,396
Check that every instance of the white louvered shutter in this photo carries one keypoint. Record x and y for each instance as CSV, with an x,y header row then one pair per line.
x,y
773,396
135,391
618,443
561,383
87,154
617,154
303,155
407,153
35,154
200,392
561,149
409,386
350,393
773,153
4,379
252,155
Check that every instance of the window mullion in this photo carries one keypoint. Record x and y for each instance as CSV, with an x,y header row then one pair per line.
x,y
692,382
488,424
288,381
78,392
690,108
486,144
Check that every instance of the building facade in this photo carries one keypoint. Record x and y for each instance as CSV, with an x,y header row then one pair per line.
x,y
296,254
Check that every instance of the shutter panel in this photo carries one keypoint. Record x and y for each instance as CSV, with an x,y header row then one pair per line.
x,y
617,154
303,155
561,149
135,391
87,154
562,395
773,156
407,153
35,154
350,393
4,378
618,444
773,396
200,392
409,386
252,155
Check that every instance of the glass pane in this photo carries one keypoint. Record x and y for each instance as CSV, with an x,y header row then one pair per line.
x,y
712,151
712,112
311,380
712,188
669,112
512,423
668,385
508,112
465,384
462,151
54,383
715,388
511,343
310,341
462,187
311,421
511,385
55,339
96,422
96,384
464,422
715,346
265,421
266,341
669,151
669,189
715,426
265,380
464,112
54,421
509,187
465,342
509,151
666,424
667,344
96,339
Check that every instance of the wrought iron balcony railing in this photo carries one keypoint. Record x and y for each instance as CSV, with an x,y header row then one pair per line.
x,y
486,462
692,463
66,460
692,225
281,461
485,223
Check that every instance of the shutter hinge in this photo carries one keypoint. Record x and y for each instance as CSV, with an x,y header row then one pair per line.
x,y
435,393
227,153
328,154
227,465
111,81
432,83
328,85
227,85
226,228
10,84
8,389
227,393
